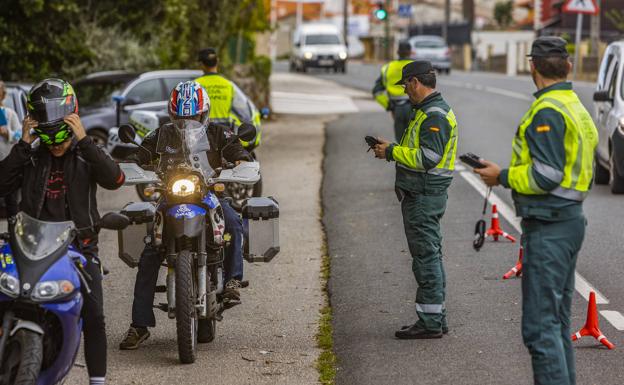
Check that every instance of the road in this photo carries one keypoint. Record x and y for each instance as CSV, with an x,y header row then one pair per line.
x,y
373,289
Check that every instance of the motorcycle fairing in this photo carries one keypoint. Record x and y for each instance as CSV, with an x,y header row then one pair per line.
x,y
211,200
185,220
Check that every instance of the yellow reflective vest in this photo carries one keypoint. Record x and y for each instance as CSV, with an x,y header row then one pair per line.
x,y
580,141
390,74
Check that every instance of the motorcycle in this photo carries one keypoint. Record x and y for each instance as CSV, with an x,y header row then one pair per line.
x,y
192,227
41,275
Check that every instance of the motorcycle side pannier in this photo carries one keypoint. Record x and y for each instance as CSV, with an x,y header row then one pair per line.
x,y
133,238
262,235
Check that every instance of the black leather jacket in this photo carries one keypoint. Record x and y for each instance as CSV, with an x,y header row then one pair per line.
x,y
86,166
218,136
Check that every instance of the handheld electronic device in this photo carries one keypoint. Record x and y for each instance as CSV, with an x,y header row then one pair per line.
x,y
472,160
371,141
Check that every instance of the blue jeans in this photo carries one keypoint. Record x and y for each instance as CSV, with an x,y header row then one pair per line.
x,y
149,266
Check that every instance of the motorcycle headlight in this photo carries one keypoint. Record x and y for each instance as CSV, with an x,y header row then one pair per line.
x,y
49,290
9,285
308,55
185,186
342,55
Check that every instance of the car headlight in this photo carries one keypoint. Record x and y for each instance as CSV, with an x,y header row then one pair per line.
x,y
308,55
342,55
49,290
9,285
185,186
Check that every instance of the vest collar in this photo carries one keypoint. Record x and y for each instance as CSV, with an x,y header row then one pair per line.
x,y
432,98
555,87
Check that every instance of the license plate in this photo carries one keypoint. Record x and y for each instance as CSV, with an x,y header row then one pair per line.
x,y
326,62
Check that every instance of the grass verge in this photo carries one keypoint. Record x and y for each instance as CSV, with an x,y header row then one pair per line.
x,y
326,363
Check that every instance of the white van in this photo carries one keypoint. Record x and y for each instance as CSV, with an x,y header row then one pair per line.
x,y
318,45
609,116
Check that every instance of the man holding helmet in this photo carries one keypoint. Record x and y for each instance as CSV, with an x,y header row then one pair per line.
x,y
188,101
58,169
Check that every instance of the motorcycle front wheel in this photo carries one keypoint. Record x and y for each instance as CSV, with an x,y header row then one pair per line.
x,y
22,359
186,313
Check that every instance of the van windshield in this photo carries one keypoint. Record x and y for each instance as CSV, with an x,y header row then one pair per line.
x,y
322,39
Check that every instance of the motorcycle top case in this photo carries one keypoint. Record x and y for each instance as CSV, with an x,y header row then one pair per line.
x,y
262,235
133,238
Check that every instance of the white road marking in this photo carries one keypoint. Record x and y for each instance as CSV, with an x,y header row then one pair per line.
x,y
615,318
582,286
311,104
493,90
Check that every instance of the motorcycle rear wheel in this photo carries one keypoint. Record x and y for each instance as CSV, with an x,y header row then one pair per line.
x,y
23,357
186,313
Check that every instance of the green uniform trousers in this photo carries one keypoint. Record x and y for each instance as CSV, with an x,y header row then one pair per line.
x,y
550,252
402,115
421,219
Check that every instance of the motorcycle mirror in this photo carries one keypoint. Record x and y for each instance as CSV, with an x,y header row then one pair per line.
x,y
114,221
247,132
126,133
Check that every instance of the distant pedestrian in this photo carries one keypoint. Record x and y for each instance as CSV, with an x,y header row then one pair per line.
x,y
392,96
425,160
550,174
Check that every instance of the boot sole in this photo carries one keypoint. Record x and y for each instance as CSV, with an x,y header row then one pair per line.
x,y
419,337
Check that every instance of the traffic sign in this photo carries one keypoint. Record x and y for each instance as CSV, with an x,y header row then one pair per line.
x,y
405,10
581,6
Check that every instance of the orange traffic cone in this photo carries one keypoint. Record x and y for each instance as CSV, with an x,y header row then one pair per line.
x,y
591,325
495,230
517,270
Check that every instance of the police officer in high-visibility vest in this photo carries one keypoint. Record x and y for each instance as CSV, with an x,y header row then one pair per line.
x,y
391,96
229,105
550,174
425,159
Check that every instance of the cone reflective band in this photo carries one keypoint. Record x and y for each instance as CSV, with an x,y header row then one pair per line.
x,y
591,327
53,111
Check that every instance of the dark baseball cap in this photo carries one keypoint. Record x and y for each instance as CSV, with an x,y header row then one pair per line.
x,y
207,55
548,46
417,67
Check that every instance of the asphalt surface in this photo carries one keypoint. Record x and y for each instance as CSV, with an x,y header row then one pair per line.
x,y
372,286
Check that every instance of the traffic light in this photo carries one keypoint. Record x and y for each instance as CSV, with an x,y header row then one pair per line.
x,y
380,11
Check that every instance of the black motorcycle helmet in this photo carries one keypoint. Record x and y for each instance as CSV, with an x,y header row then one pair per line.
x,y
49,102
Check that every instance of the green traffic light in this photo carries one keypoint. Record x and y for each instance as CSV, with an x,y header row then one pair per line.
x,y
381,14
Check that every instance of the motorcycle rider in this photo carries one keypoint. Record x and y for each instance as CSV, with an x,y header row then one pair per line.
x,y
58,169
188,100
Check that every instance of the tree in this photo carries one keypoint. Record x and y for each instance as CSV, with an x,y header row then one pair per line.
x,y
503,13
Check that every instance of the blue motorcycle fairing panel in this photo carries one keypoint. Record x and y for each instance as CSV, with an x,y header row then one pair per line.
x,y
211,200
187,211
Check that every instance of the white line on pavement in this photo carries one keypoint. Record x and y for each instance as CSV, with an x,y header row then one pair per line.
x,y
582,285
494,90
615,318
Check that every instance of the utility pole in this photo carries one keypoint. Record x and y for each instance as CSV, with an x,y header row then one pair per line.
x,y
594,33
447,18
388,49
273,38
345,21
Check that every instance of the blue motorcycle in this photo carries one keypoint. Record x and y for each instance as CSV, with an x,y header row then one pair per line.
x,y
41,276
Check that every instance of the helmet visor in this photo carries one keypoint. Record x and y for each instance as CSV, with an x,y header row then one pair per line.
x,y
52,111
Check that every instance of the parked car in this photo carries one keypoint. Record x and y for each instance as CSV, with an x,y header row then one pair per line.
x,y
15,97
609,116
137,91
432,48
320,46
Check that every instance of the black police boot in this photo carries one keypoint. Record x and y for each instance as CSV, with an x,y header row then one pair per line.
x,y
415,332
445,329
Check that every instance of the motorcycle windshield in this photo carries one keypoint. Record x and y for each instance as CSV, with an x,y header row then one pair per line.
x,y
38,239
184,143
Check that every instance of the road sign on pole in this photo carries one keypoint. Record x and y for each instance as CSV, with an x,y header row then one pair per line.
x,y
581,6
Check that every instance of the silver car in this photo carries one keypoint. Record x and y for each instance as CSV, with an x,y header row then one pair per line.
x,y
609,113
432,48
